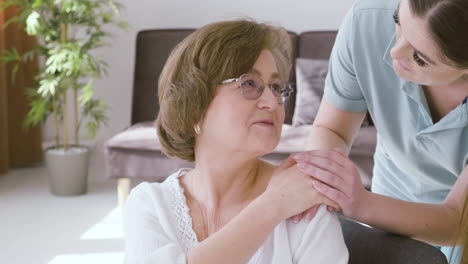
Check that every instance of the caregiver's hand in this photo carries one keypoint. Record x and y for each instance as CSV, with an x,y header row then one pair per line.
x,y
337,178
292,192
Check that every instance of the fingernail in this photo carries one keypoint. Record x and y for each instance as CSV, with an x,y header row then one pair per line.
x,y
316,184
296,221
306,220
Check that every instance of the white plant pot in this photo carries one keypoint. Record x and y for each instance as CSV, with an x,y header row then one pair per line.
x,y
68,170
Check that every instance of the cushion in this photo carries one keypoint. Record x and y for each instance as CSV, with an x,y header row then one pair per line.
x,y
137,153
310,81
141,136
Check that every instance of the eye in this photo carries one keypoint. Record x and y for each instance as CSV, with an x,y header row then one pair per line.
x,y
276,87
249,84
395,17
418,60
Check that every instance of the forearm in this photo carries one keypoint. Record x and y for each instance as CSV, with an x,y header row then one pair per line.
x,y
324,138
240,238
432,223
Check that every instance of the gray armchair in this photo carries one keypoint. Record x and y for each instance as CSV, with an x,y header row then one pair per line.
x,y
369,245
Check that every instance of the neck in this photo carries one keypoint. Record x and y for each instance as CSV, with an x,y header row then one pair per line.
x,y
443,99
223,180
459,86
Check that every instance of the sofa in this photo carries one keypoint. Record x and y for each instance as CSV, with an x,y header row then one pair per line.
x,y
135,155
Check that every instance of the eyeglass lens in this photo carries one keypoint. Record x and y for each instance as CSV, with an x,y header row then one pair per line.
x,y
252,88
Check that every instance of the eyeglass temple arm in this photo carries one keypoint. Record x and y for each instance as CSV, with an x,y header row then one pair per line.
x,y
230,80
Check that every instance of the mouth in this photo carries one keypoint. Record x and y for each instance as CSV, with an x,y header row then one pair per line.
x,y
268,123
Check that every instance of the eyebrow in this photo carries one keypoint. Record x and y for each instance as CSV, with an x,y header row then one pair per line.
x,y
417,51
274,75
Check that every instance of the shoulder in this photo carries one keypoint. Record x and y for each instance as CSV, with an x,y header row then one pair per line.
x,y
322,221
375,16
367,28
155,194
376,5
320,239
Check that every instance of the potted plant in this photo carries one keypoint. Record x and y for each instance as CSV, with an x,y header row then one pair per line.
x,y
68,31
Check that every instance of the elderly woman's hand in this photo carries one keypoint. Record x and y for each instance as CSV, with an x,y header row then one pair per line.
x,y
337,178
292,191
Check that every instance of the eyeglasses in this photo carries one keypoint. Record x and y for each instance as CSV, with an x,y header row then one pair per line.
x,y
252,87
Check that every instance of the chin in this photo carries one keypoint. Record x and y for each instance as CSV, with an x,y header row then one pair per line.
x,y
263,148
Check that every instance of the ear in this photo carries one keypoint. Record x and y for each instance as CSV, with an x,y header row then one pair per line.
x,y
465,76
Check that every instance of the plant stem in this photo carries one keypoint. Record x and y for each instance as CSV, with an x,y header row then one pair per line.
x,y
64,38
65,122
77,128
56,121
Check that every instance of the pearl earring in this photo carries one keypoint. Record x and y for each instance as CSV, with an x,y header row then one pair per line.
x,y
197,129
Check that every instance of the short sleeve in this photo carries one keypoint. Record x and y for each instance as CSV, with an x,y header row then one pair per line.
x,y
341,85
322,241
146,241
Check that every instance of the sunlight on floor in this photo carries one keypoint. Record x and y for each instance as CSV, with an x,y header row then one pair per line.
x,y
91,258
110,227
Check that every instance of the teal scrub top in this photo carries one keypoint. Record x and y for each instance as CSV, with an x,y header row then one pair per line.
x,y
415,159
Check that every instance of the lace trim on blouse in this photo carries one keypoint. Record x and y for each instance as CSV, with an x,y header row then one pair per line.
x,y
183,219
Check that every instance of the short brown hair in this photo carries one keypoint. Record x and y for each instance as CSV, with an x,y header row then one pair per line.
x,y
448,23
198,65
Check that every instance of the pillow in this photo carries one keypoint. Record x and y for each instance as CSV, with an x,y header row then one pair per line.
x,y
310,81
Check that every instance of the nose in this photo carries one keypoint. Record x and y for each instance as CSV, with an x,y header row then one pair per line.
x,y
401,50
268,100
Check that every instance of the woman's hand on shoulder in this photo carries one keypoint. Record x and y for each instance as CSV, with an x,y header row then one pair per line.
x,y
336,177
292,191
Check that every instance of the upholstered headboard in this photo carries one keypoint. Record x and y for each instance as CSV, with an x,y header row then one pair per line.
x,y
154,46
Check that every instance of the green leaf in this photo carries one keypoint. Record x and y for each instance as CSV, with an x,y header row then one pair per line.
x,y
10,56
32,23
14,70
92,128
37,4
123,25
29,56
94,112
40,108
5,4
47,87
87,93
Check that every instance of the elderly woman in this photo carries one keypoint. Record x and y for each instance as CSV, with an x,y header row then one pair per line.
x,y
221,105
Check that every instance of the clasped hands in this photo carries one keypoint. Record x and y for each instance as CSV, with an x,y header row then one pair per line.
x,y
333,175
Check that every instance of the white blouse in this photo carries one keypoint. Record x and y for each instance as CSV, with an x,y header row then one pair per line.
x,y
158,229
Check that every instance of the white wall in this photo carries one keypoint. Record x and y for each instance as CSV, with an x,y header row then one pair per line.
x,y
116,88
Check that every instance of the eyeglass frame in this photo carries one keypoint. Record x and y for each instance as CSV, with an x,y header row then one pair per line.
x,y
289,87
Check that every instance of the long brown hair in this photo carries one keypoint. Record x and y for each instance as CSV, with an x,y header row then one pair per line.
x,y
448,23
